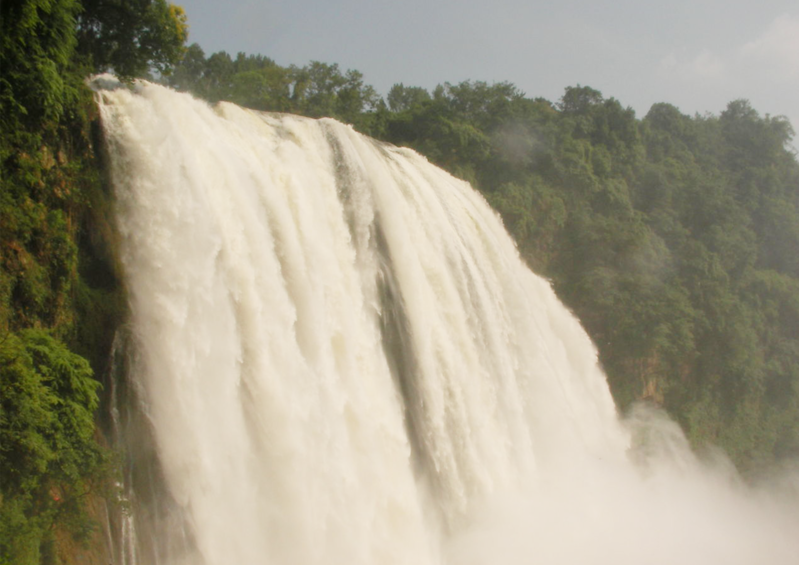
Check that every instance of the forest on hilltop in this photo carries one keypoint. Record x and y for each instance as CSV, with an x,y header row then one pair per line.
x,y
674,238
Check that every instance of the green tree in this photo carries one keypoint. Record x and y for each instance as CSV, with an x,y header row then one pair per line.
x,y
189,72
320,89
579,99
131,37
49,461
401,97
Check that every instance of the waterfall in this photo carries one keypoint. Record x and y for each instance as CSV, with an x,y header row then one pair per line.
x,y
341,359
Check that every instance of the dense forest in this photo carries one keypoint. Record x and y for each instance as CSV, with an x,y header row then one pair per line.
x,y
673,238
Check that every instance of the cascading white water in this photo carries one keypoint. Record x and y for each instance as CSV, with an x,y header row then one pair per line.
x,y
344,360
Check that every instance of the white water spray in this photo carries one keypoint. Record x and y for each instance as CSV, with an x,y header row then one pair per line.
x,y
343,360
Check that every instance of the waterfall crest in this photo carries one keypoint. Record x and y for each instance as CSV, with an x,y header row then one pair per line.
x,y
339,353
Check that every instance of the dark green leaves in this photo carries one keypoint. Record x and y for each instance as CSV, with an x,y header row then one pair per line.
x,y
48,456
130,37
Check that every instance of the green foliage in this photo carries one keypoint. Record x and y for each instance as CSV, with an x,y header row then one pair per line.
x,y
49,461
36,46
131,36
257,82
39,260
320,89
401,97
59,293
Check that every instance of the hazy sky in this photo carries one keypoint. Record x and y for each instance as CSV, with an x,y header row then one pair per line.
x,y
695,54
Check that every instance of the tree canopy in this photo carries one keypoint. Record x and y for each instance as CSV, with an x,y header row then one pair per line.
x,y
131,37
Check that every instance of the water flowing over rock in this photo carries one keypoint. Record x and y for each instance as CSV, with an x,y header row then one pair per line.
x,y
341,359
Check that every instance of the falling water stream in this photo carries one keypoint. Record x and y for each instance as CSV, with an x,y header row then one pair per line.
x,y
339,357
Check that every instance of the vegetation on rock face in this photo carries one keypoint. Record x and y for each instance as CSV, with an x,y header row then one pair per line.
x,y
674,238
50,459
60,300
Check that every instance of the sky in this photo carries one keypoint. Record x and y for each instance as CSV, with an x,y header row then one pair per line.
x,y
696,54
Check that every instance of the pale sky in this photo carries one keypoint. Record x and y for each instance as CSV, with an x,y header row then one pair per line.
x,y
695,54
